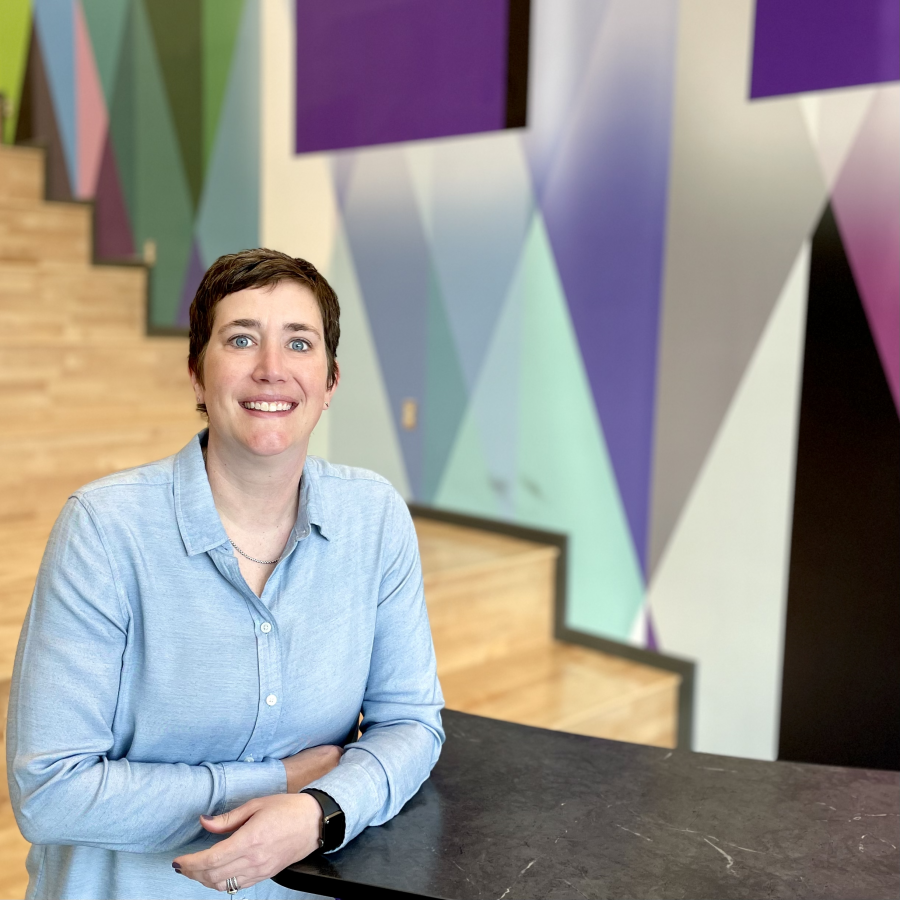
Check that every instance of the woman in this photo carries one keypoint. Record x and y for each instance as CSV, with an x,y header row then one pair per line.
x,y
205,630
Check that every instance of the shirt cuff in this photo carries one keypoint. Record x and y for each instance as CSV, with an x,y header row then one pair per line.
x,y
246,781
355,791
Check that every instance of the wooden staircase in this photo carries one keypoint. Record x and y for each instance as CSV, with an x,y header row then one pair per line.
x,y
86,393
490,601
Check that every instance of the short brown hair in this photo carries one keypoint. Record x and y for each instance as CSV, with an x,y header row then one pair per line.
x,y
256,268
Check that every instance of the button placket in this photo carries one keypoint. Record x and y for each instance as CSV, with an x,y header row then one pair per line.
x,y
268,655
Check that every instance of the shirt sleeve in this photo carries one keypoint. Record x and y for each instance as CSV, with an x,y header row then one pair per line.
x,y
402,733
64,787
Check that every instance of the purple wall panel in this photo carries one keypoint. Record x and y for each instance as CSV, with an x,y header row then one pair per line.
x,y
814,45
379,71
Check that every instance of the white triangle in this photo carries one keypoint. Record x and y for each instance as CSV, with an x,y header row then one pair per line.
x,y
833,119
719,593
360,424
420,165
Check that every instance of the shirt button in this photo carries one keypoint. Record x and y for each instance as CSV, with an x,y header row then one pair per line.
x,y
271,700
249,759
265,628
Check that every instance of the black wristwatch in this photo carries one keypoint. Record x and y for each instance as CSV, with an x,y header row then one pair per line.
x,y
332,820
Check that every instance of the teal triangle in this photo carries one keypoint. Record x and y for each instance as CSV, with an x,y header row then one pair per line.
x,y
177,35
495,399
565,479
445,393
106,21
466,485
228,218
161,208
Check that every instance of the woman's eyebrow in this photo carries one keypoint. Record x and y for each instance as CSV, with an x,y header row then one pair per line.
x,y
241,323
299,326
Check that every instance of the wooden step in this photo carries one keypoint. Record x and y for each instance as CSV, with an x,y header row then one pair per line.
x,y
569,688
63,304
491,601
488,595
21,174
53,231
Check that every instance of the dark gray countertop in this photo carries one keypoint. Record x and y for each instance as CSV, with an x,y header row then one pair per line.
x,y
516,812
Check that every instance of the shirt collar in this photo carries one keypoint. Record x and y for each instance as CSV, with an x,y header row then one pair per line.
x,y
198,519
312,503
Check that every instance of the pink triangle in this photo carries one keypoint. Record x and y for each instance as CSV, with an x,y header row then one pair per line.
x,y
112,230
866,203
90,109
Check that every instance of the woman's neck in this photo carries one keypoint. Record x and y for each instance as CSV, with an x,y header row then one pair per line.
x,y
253,493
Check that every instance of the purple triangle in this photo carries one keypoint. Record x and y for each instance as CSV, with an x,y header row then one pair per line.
x,y
192,277
112,229
604,203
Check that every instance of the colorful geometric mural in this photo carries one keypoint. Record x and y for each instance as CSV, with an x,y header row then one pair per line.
x,y
148,108
601,317
493,271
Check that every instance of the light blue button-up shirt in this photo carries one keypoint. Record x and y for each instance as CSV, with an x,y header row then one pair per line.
x,y
151,685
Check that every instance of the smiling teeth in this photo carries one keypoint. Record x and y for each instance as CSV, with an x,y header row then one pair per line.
x,y
263,406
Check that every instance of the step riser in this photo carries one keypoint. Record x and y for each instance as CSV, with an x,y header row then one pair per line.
x,y
21,174
490,614
60,232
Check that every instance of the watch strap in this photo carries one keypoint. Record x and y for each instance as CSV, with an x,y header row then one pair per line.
x,y
333,821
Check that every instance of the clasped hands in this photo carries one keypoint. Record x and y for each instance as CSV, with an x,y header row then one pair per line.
x,y
268,833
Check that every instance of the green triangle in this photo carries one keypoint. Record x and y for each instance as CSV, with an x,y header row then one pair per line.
x,y
15,31
162,209
466,483
565,479
176,28
106,25
228,215
221,21
445,393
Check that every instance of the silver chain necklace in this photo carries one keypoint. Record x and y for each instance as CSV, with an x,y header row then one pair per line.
x,y
262,562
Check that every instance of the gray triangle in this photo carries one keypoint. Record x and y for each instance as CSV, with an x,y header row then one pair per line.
x,y
745,190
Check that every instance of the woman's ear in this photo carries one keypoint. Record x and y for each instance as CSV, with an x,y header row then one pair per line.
x,y
336,377
196,384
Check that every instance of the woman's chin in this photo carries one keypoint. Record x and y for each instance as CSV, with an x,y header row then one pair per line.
x,y
271,441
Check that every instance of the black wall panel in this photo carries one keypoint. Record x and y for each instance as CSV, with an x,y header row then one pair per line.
x,y
841,688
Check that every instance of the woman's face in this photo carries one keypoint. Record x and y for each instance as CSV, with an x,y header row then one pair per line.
x,y
265,372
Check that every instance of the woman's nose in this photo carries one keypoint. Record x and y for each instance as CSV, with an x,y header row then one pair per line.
x,y
270,365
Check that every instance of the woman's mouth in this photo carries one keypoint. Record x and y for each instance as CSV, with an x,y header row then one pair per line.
x,y
268,406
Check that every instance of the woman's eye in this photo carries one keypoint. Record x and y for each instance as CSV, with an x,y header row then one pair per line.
x,y
299,345
241,341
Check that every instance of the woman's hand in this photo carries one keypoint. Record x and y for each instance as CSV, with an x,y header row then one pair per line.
x,y
270,833
306,766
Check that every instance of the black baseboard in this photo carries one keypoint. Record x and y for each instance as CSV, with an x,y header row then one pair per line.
x,y
561,631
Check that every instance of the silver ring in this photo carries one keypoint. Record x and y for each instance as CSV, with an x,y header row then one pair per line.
x,y
231,885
